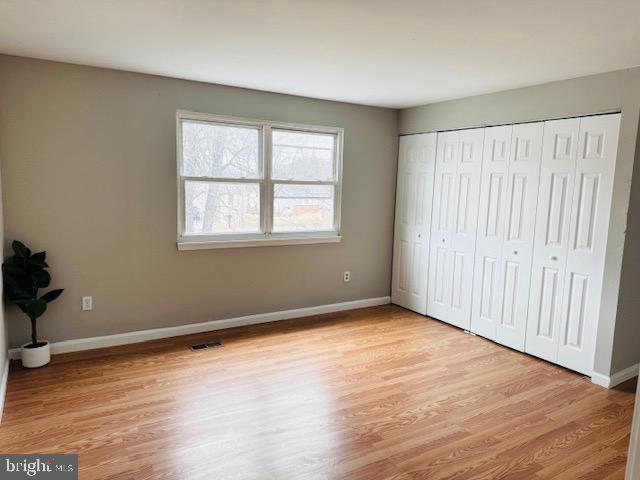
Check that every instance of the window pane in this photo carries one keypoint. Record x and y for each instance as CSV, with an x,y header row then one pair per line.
x,y
210,150
299,208
216,207
303,155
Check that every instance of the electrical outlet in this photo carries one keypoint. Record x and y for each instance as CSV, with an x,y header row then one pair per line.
x,y
347,276
87,303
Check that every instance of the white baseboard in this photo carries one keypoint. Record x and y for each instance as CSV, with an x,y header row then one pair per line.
x,y
156,333
3,386
617,378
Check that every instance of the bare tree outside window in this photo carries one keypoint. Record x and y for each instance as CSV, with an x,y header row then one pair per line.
x,y
225,152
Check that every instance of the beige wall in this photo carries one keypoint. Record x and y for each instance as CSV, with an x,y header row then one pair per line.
x,y
4,361
618,333
89,166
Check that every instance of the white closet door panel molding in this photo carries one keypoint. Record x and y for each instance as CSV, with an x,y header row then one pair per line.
x,y
442,224
413,219
463,237
517,248
592,194
490,232
454,223
557,176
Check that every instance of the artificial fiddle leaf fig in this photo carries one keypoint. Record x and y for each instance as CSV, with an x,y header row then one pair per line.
x,y
24,274
35,308
42,278
51,295
37,259
17,282
20,250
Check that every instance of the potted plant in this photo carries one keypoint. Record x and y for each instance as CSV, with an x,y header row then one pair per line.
x,y
24,274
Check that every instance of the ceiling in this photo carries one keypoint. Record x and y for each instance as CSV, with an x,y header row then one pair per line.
x,y
374,52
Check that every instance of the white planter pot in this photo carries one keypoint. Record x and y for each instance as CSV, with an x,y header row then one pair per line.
x,y
36,357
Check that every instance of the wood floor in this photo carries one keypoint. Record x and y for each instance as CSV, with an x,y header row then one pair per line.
x,y
378,393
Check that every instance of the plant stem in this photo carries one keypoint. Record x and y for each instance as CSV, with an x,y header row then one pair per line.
x,y
34,333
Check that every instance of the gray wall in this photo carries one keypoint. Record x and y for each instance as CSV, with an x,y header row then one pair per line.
x,y
3,323
619,329
89,167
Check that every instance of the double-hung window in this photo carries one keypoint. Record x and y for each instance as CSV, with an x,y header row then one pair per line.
x,y
245,182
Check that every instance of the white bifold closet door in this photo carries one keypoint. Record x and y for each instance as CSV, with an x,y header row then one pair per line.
x,y
453,227
572,224
506,220
414,191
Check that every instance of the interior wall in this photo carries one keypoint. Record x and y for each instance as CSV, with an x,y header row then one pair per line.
x,y
89,164
4,339
618,333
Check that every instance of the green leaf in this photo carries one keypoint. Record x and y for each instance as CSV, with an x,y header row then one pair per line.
x,y
18,283
16,273
35,308
52,295
41,278
31,269
39,256
37,259
13,260
13,268
15,294
20,249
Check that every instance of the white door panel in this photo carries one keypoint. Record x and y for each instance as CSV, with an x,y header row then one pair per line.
x,y
463,238
517,247
413,219
504,248
442,223
457,185
557,174
490,232
589,225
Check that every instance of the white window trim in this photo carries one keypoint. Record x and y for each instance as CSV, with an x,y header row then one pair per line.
x,y
265,237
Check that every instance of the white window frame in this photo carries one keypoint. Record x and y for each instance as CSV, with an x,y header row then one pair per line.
x,y
265,237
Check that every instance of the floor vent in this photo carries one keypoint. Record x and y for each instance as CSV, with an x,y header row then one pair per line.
x,y
202,346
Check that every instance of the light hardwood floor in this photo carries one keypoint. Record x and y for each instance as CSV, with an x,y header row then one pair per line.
x,y
378,393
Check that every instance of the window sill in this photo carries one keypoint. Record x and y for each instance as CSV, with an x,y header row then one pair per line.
x,y
255,242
